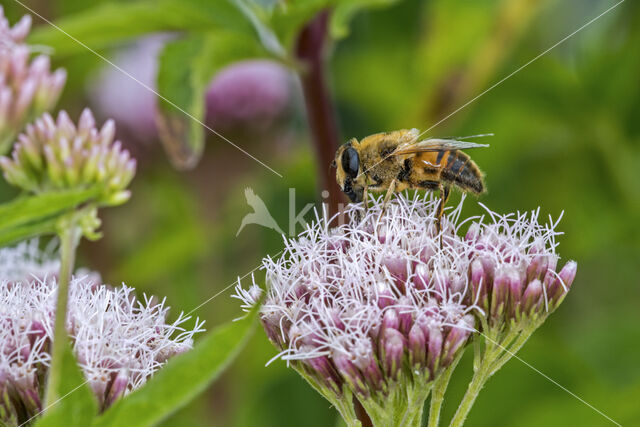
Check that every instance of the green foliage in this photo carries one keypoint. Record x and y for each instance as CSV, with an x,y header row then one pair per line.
x,y
186,67
110,23
567,139
183,378
26,217
76,405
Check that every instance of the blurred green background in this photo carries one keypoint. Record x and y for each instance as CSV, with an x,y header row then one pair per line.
x,y
567,138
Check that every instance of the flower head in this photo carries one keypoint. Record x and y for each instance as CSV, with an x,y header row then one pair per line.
x,y
57,154
376,304
119,340
27,86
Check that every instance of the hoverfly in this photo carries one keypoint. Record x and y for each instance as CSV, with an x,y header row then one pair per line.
x,y
395,161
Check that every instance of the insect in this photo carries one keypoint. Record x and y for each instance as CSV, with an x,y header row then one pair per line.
x,y
398,160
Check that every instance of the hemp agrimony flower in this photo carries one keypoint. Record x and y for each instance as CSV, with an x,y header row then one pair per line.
x,y
56,155
118,340
27,86
378,310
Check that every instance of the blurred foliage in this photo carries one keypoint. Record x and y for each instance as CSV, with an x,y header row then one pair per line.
x,y
567,140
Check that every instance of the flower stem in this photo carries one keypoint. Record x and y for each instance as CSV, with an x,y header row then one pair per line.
x,y
416,395
311,50
69,238
437,394
480,377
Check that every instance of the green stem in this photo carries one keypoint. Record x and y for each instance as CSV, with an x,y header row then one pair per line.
x,y
439,389
415,403
69,238
517,344
480,377
343,404
482,372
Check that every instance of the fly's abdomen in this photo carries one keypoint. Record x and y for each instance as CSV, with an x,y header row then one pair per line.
x,y
461,171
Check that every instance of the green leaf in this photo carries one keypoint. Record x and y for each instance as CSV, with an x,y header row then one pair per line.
x,y
186,67
76,405
258,15
182,379
110,23
32,215
345,11
23,232
29,208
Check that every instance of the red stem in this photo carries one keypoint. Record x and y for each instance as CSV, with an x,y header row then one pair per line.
x,y
311,53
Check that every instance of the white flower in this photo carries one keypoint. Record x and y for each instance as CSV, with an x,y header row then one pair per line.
x,y
355,304
119,340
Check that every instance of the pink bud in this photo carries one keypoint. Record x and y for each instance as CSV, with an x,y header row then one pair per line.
x,y
392,344
397,267
350,373
118,387
434,348
390,319
422,277
499,294
456,338
324,370
417,346
532,298
385,296
404,315
560,286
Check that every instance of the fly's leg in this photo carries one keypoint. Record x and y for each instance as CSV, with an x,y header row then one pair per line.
x,y
445,190
365,197
387,197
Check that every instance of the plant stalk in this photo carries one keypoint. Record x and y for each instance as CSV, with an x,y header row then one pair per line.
x,y
439,389
69,238
311,52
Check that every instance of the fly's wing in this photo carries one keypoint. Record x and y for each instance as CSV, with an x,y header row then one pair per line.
x,y
435,144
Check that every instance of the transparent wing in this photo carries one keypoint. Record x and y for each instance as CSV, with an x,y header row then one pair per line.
x,y
436,144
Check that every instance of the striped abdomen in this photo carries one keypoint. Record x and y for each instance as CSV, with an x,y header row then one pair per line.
x,y
460,170
452,167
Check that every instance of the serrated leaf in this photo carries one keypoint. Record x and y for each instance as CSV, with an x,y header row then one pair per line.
x,y
186,67
182,379
110,23
76,405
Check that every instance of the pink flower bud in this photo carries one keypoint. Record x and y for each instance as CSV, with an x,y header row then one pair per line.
x,y
417,346
324,370
532,298
434,349
390,319
392,352
118,387
350,372
456,338
499,295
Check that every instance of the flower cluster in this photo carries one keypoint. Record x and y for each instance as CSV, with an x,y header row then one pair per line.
x,y
119,340
27,86
54,155
513,270
381,306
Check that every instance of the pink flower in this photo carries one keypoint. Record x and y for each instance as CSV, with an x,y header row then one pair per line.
x,y
55,155
120,341
378,308
27,86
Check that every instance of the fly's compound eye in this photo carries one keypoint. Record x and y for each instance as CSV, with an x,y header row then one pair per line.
x,y
350,162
